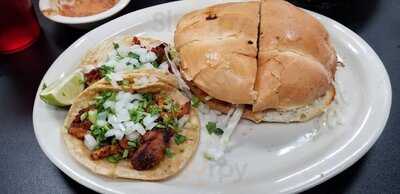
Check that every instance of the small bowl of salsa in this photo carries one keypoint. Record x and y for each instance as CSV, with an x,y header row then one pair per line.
x,y
81,13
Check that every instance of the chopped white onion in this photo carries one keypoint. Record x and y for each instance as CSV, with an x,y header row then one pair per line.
x,y
164,66
138,50
212,116
137,97
148,121
101,123
139,128
147,66
231,125
123,50
111,63
123,115
132,106
118,134
133,61
204,108
89,141
148,57
119,105
128,127
120,66
112,119
224,121
216,151
102,116
109,104
117,77
132,136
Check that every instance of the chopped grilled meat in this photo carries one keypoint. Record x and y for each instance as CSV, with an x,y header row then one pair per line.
x,y
135,40
77,123
78,132
183,110
123,143
105,151
168,133
151,151
160,52
92,76
78,127
150,135
131,153
160,100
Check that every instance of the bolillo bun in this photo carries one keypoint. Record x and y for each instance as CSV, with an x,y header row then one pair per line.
x,y
296,62
218,50
269,55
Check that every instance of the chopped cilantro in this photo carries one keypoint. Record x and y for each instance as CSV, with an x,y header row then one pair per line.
x,y
169,153
98,133
179,139
155,64
92,116
116,45
171,106
103,97
212,128
125,153
133,144
133,55
83,80
114,158
137,115
106,70
195,102
153,109
170,122
148,97
84,116
125,82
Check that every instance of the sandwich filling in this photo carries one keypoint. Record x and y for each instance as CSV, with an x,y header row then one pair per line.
x,y
269,56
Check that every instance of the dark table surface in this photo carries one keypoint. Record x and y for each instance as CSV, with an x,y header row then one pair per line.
x,y
25,169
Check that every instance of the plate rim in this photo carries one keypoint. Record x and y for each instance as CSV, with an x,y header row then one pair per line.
x,y
348,161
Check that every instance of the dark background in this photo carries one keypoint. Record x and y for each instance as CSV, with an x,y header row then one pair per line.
x,y
25,169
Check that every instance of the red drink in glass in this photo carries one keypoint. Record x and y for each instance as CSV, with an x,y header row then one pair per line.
x,y
19,27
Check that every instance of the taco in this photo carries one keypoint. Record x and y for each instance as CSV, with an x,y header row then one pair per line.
x,y
145,129
123,54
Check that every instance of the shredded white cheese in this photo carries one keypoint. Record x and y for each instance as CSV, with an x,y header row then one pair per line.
x,y
90,142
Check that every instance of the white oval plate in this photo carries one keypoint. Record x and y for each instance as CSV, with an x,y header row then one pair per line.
x,y
273,158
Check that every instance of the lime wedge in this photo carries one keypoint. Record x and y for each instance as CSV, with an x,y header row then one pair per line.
x,y
63,91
